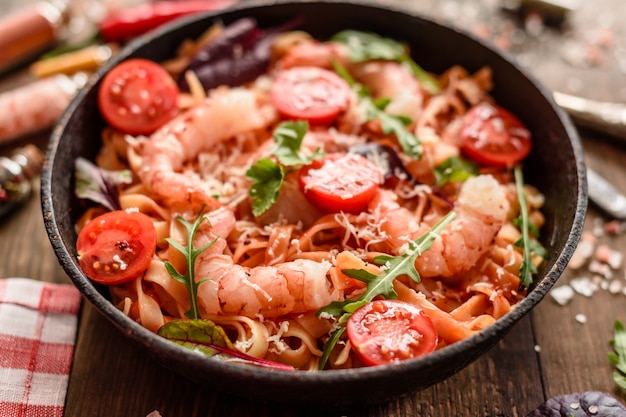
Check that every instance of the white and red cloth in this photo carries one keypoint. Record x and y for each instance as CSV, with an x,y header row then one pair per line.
x,y
38,323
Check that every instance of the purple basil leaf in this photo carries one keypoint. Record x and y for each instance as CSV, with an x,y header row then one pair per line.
x,y
232,355
240,59
386,158
241,32
206,337
99,185
581,404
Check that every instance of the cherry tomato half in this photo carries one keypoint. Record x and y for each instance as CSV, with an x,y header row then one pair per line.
x,y
138,96
387,331
341,182
116,247
310,93
493,136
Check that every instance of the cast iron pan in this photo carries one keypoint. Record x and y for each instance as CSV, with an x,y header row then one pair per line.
x,y
556,166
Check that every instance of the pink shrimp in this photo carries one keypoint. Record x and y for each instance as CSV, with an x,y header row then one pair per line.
x,y
292,287
482,208
385,79
395,82
312,53
225,114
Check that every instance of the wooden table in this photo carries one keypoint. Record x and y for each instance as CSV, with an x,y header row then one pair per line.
x,y
548,353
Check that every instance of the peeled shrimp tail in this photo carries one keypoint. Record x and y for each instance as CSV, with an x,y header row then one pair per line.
x,y
292,287
482,209
225,114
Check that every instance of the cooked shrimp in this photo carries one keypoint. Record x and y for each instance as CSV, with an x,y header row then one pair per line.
x,y
271,291
225,114
482,209
298,286
395,82
313,53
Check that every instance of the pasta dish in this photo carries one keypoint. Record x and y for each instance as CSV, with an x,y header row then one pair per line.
x,y
330,205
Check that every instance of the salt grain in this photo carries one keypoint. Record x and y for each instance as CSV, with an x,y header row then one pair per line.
x,y
574,406
616,259
603,252
562,294
583,286
615,287
613,228
593,409
581,318
600,268
581,255
598,227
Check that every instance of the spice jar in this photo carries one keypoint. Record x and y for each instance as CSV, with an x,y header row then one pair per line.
x,y
16,174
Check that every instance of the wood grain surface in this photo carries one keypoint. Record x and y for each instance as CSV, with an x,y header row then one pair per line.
x,y
550,352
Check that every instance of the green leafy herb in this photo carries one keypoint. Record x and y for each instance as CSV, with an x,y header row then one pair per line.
x,y
365,46
268,175
382,284
190,254
200,335
375,110
454,169
529,245
288,138
618,357
206,337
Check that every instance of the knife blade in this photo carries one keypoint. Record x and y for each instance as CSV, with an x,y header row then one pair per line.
x,y
604,117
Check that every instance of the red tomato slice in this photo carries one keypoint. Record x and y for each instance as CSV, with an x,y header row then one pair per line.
x,y
493,136
387,331
310,93
341,182
138,96
116,247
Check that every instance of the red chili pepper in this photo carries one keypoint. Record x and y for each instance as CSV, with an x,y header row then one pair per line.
x,y
129,23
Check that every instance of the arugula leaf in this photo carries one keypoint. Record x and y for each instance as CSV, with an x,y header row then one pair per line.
x,y
618,357
375,110
382,284
190,254
529,246
454,169
365,46
99,185
395,124
206,337
267,177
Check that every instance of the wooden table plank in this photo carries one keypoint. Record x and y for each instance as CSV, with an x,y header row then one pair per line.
x,y
574,354
112,377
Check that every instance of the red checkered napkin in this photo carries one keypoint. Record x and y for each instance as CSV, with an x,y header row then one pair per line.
x,y
37,333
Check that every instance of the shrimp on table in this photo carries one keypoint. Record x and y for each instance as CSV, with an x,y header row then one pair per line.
x,y
297,286
223,115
